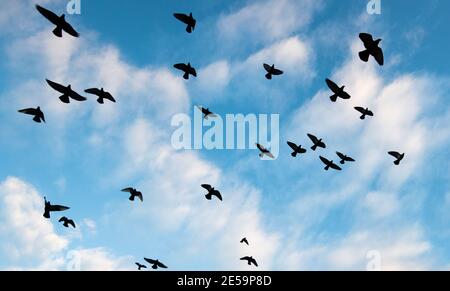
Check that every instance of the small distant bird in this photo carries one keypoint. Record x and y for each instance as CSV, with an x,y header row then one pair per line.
x,y
264,152
339,92
272,71
67,222
344,158
67,92
155,264
52,208
206,113
37,113
399,157
134,193
364,111
189,20
372,48
101,95
187,69
296,148
330,164
59,21
244,241
140,266
212,192
250,261
318,143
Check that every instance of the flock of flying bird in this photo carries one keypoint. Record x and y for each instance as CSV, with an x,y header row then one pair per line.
x,y
371,49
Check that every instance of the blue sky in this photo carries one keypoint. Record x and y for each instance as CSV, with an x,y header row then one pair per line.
x,y
295,215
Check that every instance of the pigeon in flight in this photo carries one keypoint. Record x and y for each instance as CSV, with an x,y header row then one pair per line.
x,y
156,264
67,92
59,21
212,192
206,113
187,69
250,261
372,48
296,148
399,157
344,158
330,164
140,266
52,208
244,241
339,92
67,222
364,111
189,20
264,152
37,113
134,193
318,143
101,95
272,71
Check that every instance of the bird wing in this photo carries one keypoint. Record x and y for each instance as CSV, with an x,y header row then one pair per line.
x,y
293,146
336,167
245,259
140,196
268,68
270,155
62,219
69,29
345,95
253,261
341,156
193,72
332,85
261,148
150,261
313,138
129,190
277,72
52,17
161,265
218,195
325,161
395,154
58,87
109,97
207,187
378,55
29,111
94,91
58,208
71,222
42,116
360,110
366,38
182,17
75,96
349,159
181,67
369,113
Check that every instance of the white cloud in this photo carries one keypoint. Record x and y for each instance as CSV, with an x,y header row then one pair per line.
x,y
215,77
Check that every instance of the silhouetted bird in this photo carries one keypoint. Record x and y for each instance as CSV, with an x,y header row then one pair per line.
x,y
52,208
272,71
37,113
250,261
264,152
364,111
372,48
155,264
101,95
212,192
67,92
339,92
296,148
189,20
206,113
399,157
134,193
67,222
318,143
140,266
344,158
330,164
59,21
244,241
187,69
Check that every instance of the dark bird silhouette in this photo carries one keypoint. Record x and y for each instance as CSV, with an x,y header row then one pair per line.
x,y
250,261
212,192
206,113
344,158
330,164
339,92
372,49
134,193
189,20
155,264
140,266
59,21
272,71
244,241
102,95
67,92
399,157
364,111
317,143
37,113
67,222
187,69
296,148
264,152
52,208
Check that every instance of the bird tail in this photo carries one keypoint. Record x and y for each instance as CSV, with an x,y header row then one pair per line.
x,y
64,99
131,198
314,147
269,76
327,168
334,98
37,119
100,100
364,55
363,117
208,196
186,76
397,162
342,162
189,29
47,214
294,154
58,31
